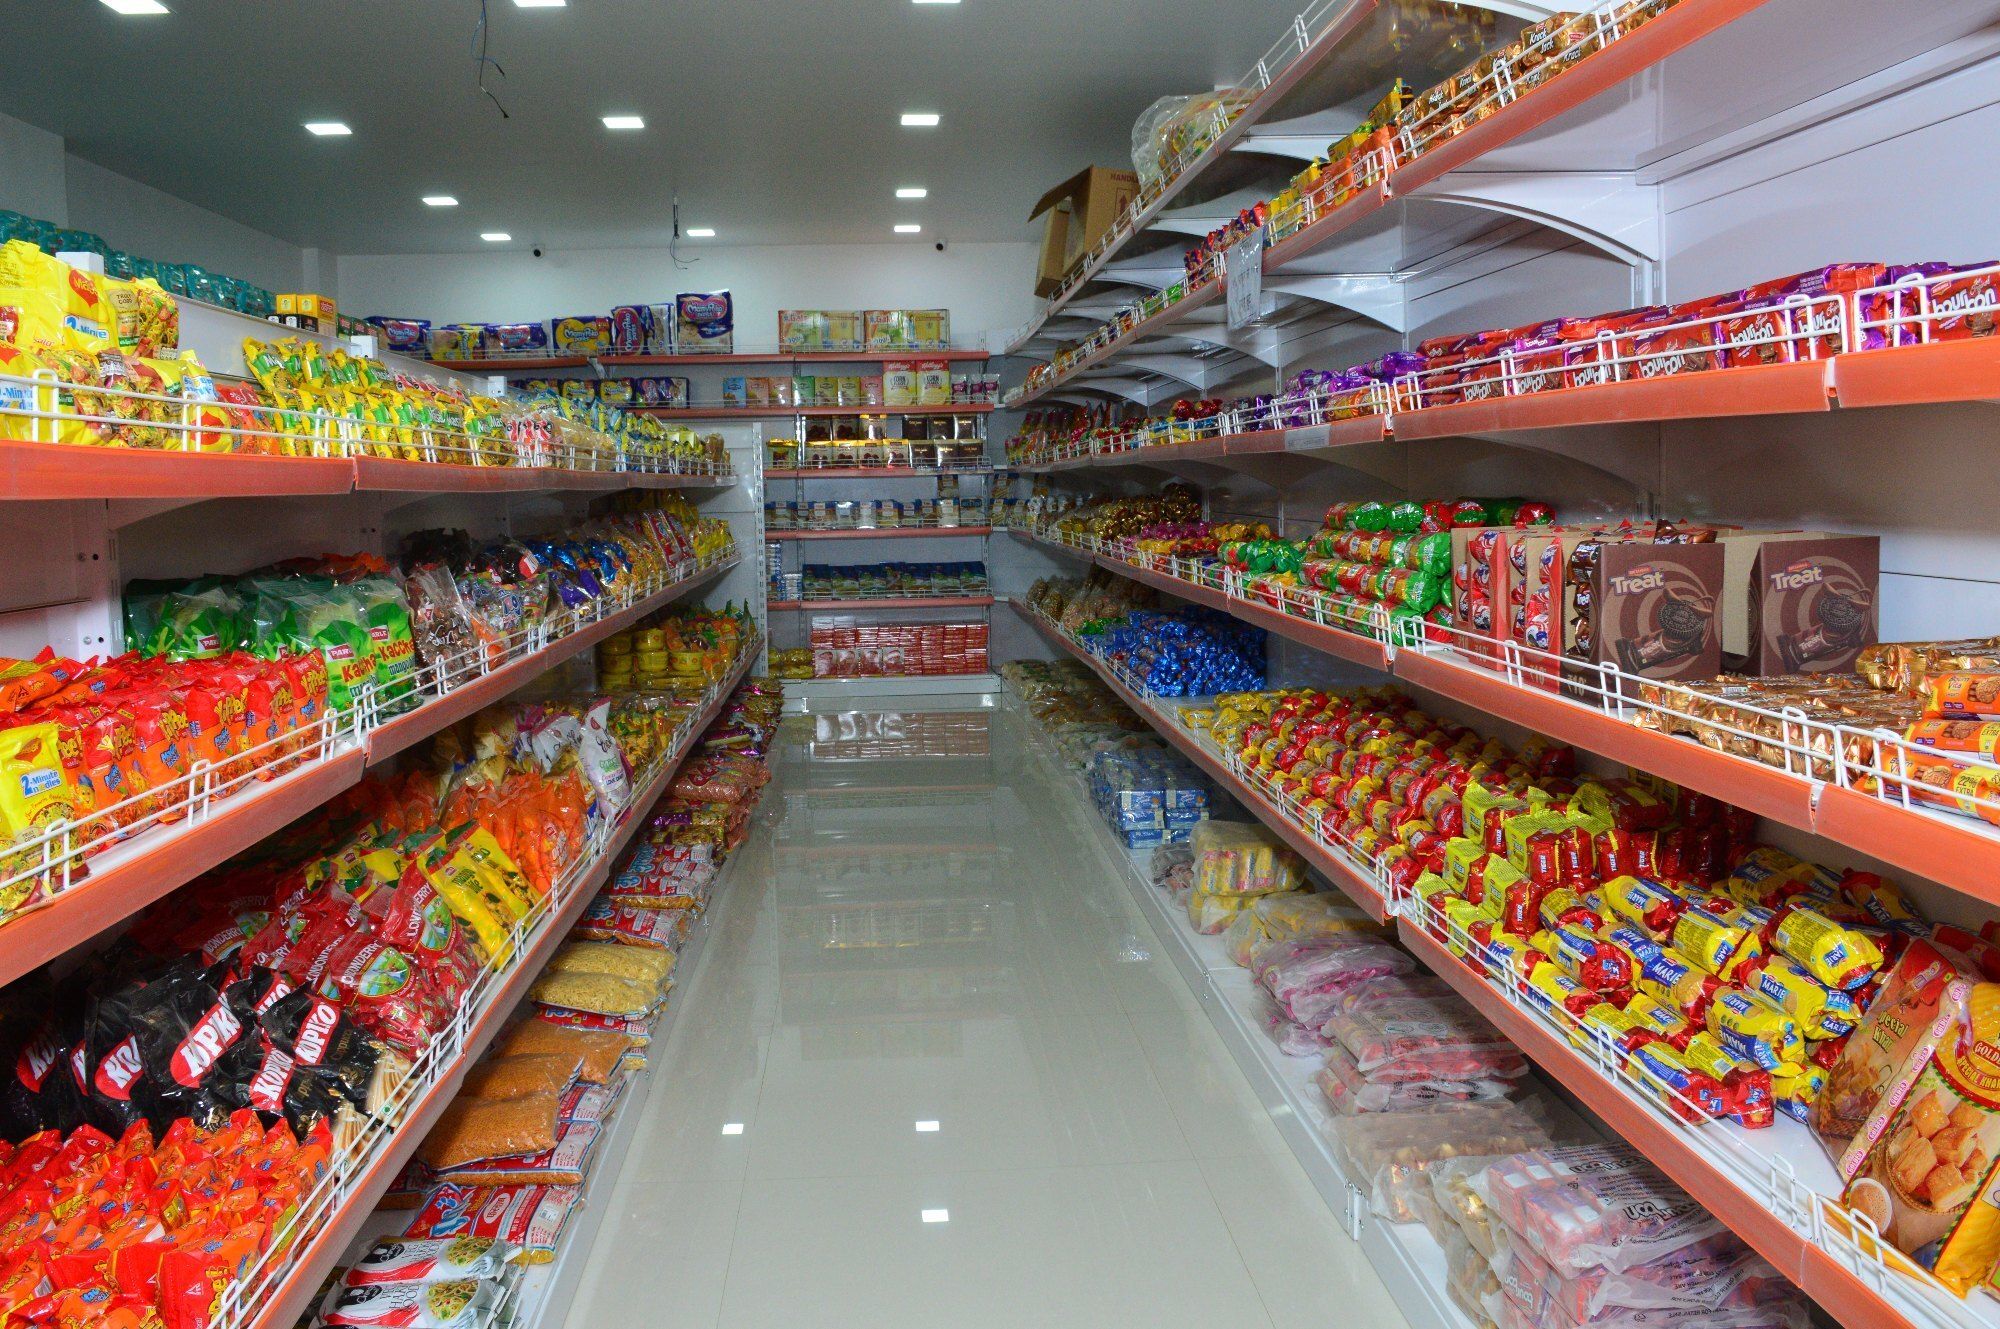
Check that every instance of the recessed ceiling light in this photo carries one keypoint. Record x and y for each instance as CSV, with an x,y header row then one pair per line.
x,y
495,237
920,119
440,201
540,4
328,128
913,191
926,1127
732,1128
702,232
937,1215
908,228
933,2
624,122
131,7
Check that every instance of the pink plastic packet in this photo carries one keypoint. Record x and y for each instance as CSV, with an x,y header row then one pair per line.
x,y
1306,977
1425,1038
1589,1207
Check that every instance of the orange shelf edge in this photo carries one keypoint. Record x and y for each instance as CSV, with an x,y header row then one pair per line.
x,y
1358,888
1954,851
394,736
1946,371
868,472
788,413
295,1292
882,533
1799,388
69,471
1637,1124
1764,790
112,894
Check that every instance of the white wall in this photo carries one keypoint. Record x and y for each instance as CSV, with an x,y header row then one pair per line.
x,y
141,220
39,178
31,172
987,287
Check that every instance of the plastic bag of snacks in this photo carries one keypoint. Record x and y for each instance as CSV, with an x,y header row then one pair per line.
x,y
531,1218
1306,977
476,1128
429,1261
1425,1039
1348,1091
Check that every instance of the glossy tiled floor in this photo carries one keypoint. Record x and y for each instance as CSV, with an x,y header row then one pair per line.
x,y
934,1071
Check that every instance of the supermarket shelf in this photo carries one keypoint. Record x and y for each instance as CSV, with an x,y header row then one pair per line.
x,y
796,358
1945,371
500,364
1952,850
869,472
1198,298
1601,72
1804,386
1364,891
882,533
777,413
886,602
549,1289
62,470
130,876
393,736
1308,70
1711,1162
65,471
1349,646
1405,1256
1752,1179
383,473
310,1261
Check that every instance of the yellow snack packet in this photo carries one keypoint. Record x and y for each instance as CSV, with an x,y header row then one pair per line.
x,y
35,796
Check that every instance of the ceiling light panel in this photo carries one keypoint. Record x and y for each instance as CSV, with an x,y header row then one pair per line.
x,y
495,237
908,228
328,128
540,4
440,201
624,122
920,119
701,232
132,8
913,191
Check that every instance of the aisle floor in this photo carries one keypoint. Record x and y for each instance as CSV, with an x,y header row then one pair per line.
x,y
934,1068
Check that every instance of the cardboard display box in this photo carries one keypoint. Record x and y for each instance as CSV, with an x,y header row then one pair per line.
x,y
1080,209
1798,601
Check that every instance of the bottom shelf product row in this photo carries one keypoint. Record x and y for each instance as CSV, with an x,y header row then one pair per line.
x,y
240,1074
842,647
1785,1039
514,1175
1498,1204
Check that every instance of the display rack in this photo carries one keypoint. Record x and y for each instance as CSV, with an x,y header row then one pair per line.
x,y
280,1286
1405,1256
802,413
881,533
1510,683
1773,1187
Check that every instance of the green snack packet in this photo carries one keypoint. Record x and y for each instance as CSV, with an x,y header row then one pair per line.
x,y
332,621
1369,517
1430,553
386,614
144,602
1406,516
196,624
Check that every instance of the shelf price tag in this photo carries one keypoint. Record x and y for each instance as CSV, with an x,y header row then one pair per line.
x,y
1243,268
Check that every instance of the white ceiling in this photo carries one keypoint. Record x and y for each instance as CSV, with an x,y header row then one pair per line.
x,y
776,120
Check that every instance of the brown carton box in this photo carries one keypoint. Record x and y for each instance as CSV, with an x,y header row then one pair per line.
x,y
1798,601
1654,608
1080,209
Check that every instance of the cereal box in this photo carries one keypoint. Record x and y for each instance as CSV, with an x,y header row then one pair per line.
x,y
844,329
933,383
801,330
899,383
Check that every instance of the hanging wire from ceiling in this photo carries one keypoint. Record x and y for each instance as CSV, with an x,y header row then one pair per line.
x,y
481,60
674,245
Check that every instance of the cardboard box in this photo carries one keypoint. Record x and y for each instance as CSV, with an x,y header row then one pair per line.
x,y
1080,209
1655,608
1798,601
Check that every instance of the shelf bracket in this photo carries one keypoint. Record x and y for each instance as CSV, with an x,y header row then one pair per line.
x,y
1148,272
1187,369
1608,210
1302,138
1259,344
1201,218
1131,389
1375,297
